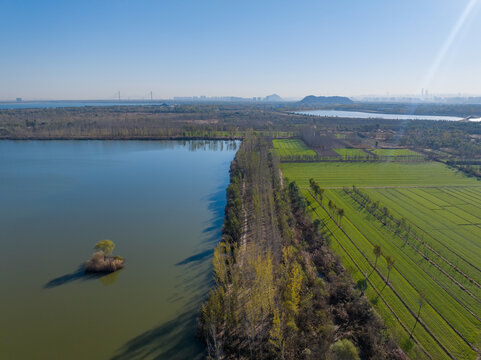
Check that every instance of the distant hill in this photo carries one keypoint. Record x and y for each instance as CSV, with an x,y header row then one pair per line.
x,y
323,100
273,97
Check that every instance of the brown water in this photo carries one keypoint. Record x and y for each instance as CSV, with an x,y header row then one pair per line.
x,y
161,203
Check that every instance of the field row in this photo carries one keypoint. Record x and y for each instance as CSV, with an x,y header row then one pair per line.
x,y
442,314
453,229
296,149
395,152
444,269
353,153
377,174
437,251
292,147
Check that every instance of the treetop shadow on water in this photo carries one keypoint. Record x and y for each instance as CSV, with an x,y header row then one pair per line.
x,y
216,205
173,339
169,341
80,275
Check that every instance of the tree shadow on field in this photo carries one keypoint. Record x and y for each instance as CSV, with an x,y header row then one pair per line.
x,y
77,275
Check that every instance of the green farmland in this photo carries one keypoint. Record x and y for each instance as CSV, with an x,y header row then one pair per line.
x,y
352,153
395,152
292,147
376,174
438,258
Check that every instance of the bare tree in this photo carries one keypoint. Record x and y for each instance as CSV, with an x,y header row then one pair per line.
x,y
390,264
377,252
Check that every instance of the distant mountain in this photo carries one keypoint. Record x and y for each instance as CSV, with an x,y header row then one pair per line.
x,y
273,97
323,100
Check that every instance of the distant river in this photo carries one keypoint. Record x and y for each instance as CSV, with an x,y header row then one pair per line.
x,y
369,115
79,103
161,202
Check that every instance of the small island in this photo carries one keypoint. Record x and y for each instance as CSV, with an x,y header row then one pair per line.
x,y
102,260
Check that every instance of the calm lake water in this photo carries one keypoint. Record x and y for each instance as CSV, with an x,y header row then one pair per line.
x,y
162,203
369,115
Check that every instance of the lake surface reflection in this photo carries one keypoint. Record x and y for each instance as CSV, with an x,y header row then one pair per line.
x,y
161,202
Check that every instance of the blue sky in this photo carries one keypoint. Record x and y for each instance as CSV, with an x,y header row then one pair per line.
x,y
92,49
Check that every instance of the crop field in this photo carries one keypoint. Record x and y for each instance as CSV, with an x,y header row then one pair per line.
x,y
238,134
352,153
395,152
437,250
376,174
292,147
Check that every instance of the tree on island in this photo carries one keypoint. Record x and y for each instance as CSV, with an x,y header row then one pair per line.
x,y
102,260
106,246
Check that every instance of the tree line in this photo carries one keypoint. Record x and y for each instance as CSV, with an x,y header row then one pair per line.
x,y
470,168
279,291
453,140
400,226
338,213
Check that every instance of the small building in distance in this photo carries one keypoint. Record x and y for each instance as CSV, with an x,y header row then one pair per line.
x,y
18,99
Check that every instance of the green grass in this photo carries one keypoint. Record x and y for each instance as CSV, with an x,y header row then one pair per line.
x,y
352,153
382,297
451,229
338,174
446,214
395,152
291,147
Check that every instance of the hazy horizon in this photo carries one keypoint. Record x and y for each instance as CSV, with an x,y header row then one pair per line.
x,y
89,50
431,97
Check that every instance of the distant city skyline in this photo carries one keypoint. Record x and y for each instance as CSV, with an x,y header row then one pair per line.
x,y
89,50
365,97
